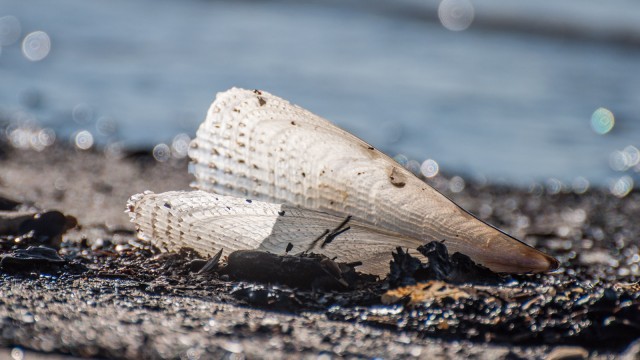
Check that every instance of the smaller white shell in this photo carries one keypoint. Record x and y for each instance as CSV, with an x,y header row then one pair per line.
x,y
209,222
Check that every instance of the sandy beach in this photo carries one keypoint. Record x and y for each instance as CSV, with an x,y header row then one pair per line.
x,y
115,297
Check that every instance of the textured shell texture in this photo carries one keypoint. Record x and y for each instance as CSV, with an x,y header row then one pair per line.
x,y
254,145
207,222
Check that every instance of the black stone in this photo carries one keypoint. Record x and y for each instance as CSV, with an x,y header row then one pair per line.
x,y
33,258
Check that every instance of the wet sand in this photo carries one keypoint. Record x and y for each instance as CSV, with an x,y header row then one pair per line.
x,y
117,298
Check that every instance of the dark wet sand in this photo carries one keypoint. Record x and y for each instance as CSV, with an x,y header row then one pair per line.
x,y
115,300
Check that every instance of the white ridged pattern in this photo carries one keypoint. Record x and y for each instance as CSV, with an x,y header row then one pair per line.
x,y
209,222
256,145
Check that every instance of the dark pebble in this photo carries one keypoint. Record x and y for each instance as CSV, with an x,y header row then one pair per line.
x,y
47,227
32,258
8,204
300,271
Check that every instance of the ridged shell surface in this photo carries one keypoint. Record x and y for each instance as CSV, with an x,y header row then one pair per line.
x,y
257,145
209,222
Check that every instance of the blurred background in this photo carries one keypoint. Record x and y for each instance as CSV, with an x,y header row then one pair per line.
x,y
514,92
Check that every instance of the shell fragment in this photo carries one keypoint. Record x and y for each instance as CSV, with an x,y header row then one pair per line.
x,y
209,222
259,146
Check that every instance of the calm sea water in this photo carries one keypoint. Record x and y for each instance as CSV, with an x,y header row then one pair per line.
x,y
510,99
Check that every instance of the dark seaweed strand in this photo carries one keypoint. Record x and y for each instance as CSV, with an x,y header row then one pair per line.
x,y
314,242
330,235
337,231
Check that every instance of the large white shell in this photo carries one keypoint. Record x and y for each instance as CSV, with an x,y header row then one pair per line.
x,y
256,145
209,222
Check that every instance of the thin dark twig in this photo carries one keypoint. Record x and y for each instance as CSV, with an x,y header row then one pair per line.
x,y
330,235
343,223
314,242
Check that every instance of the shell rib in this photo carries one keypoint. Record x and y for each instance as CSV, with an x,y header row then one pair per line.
x,y
208,222
254,144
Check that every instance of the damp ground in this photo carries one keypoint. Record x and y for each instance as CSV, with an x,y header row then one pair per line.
x,y
111,296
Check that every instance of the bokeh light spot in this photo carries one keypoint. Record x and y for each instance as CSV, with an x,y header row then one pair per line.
x,y
580,185
47,136
632,155
401,159
42,139
19,137
36,45
413,166
17,354
28,135
162,152
429,168
9,30
602,121
456,184
106,126
536,189
623,160
485,211
622,186
456,15
83,140
180,145
618,161
553,186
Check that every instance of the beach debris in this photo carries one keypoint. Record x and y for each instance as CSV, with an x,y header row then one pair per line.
x,y
306,271
423,292
267,296
211,265
440,278
255,145
7,204
567,353
32,226
208,222
30,259
629,287
456,269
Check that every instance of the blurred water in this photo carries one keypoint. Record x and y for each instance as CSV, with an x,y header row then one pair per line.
x,y
510,98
